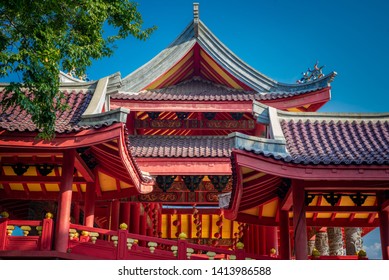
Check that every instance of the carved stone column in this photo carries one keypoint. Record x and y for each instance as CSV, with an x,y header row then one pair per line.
x,y
335,241
354,242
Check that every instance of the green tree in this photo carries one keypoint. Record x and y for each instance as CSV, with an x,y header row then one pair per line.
x,y
38,38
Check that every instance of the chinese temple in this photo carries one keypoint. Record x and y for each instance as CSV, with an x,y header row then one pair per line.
x,y
195,155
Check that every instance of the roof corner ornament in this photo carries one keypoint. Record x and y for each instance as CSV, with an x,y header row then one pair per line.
x,y
196,18
312,74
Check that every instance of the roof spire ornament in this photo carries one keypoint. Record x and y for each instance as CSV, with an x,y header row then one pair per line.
x,y
312,74
196,18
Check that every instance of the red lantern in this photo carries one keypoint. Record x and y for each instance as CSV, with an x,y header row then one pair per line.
x,y
217,235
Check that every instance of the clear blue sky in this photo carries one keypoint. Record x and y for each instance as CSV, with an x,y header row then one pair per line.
x,y
281,39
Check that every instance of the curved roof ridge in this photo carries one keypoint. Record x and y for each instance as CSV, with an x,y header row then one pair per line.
x,y
229,60
198,32
332,116
160,63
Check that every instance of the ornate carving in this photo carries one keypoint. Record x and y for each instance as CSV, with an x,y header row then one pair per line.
x,y
192,182
237,116
358,198
196,124
332,198
165,124
212,197
163,197
219,181
20,168
44,169
209,115
312,74
165,182
153,115
182,115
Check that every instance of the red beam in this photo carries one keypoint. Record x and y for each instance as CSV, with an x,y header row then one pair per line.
x,y
83,138
250,219
313,172
342,222
35,159
37,179
84,169
321,96
341,209
184,106
287,202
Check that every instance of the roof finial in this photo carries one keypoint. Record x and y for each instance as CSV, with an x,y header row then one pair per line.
x,y
196,18
196,11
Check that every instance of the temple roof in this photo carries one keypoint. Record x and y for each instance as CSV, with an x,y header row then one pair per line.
x,y
180,146
321,138
97,135
85,102
199,89
16,119
198,52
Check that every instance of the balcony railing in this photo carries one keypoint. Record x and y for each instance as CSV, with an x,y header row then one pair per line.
x,y
37,235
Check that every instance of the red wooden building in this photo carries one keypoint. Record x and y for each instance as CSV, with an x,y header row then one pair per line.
x,y
193,155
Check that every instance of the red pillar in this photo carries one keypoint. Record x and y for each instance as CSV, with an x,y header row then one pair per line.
x,y
65,202
76,212
260,130
143,223
262,240
299,223
115,214
135,217
284,235
384,232
90,198
271,239
125,208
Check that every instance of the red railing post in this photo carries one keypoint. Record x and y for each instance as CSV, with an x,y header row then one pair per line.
x,y
3,233
181,251
47,235
240,254
122,245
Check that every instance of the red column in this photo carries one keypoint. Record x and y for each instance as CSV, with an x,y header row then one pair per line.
x,y
135,217
271,239
260,130
130,123
384,232
115,214
76,212
65,202
284,235
262,240
125,208
90,198
3,233
299,223
143,223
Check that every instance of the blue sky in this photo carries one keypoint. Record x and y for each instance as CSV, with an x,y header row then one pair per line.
x,y
281,39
